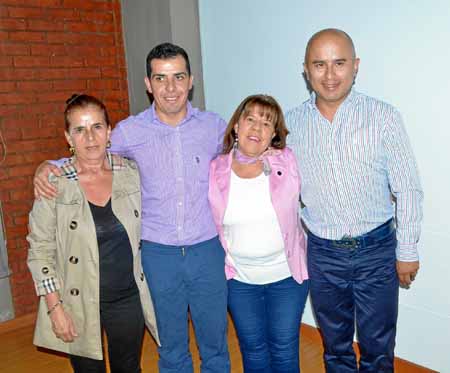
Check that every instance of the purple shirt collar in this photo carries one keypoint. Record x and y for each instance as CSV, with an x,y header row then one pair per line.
x,y
191,112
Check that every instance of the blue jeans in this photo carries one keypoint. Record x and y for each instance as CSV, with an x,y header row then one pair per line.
x,y
267,320
356,280
182,277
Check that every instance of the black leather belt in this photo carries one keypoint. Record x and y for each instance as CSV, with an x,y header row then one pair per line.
x,y
367,239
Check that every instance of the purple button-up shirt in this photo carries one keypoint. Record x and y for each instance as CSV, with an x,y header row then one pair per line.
x,y
174,168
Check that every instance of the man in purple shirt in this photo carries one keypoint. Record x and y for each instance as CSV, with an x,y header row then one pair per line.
x,y
182,258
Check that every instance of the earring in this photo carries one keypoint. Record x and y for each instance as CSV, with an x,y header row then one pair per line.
x,y
108,144
236,142
72,150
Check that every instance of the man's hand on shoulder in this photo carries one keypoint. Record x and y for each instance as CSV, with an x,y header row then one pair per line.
x,y
407,272
42,187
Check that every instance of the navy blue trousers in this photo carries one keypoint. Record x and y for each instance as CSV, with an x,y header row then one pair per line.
x,y
182,278
356,281
267,320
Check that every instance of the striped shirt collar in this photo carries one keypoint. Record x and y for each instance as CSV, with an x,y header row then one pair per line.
x,y
69,170
191,112
351,98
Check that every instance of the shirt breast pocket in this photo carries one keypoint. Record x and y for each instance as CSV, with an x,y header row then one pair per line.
x,y
199,165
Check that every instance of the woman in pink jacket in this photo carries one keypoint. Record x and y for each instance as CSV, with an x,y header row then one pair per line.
x,y
254,192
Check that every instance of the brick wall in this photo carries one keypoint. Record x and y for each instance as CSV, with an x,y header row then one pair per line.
x,y
49,49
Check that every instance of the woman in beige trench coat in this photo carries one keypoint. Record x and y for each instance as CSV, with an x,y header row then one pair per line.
x,y
84,251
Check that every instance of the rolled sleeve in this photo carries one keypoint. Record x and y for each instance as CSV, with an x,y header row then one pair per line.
x,y
47,286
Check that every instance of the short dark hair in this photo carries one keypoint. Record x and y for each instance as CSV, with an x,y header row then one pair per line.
x,y
164,51
272,111
80,101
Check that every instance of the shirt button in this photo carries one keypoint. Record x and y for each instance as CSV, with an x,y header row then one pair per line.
x,y
74,292
73,225
142,277
45,270
73,260
136,213
180,203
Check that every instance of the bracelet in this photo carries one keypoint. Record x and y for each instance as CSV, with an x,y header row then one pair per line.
x,y
52,308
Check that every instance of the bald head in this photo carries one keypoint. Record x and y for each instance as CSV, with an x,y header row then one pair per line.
x,y
330,68
326,34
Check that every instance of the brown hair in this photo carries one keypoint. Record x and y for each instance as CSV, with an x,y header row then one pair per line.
x,y
80,101
270,109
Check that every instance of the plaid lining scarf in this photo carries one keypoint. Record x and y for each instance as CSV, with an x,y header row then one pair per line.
x,y
70,172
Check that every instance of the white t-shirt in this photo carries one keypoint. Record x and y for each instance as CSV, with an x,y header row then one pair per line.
x,y
253,235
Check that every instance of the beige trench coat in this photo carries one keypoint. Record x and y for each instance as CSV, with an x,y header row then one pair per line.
x,y
63,246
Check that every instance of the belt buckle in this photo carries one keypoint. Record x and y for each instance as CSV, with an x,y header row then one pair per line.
x,y
348,242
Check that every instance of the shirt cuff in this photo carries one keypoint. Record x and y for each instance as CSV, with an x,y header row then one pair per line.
x,y
407,252
59,162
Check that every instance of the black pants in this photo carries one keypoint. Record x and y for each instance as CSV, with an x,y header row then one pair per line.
x,y
123,323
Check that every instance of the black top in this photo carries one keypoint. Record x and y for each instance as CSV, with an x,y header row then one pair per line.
x,y
115,254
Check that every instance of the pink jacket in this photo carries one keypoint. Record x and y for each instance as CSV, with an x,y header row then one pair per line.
x,y
284,182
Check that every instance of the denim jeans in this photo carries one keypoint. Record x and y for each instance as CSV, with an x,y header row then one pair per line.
x,y
182,278
267,320
356,282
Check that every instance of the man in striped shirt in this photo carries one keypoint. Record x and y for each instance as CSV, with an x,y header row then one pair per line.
x,y
355,161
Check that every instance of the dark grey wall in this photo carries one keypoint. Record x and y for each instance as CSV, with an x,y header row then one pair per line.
x,y
6,304
147,23
186,32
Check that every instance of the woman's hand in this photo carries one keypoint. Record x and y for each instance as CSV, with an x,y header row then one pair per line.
x,y
62,325
42,187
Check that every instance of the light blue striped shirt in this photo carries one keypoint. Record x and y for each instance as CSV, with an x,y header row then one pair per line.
x,y
350,167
